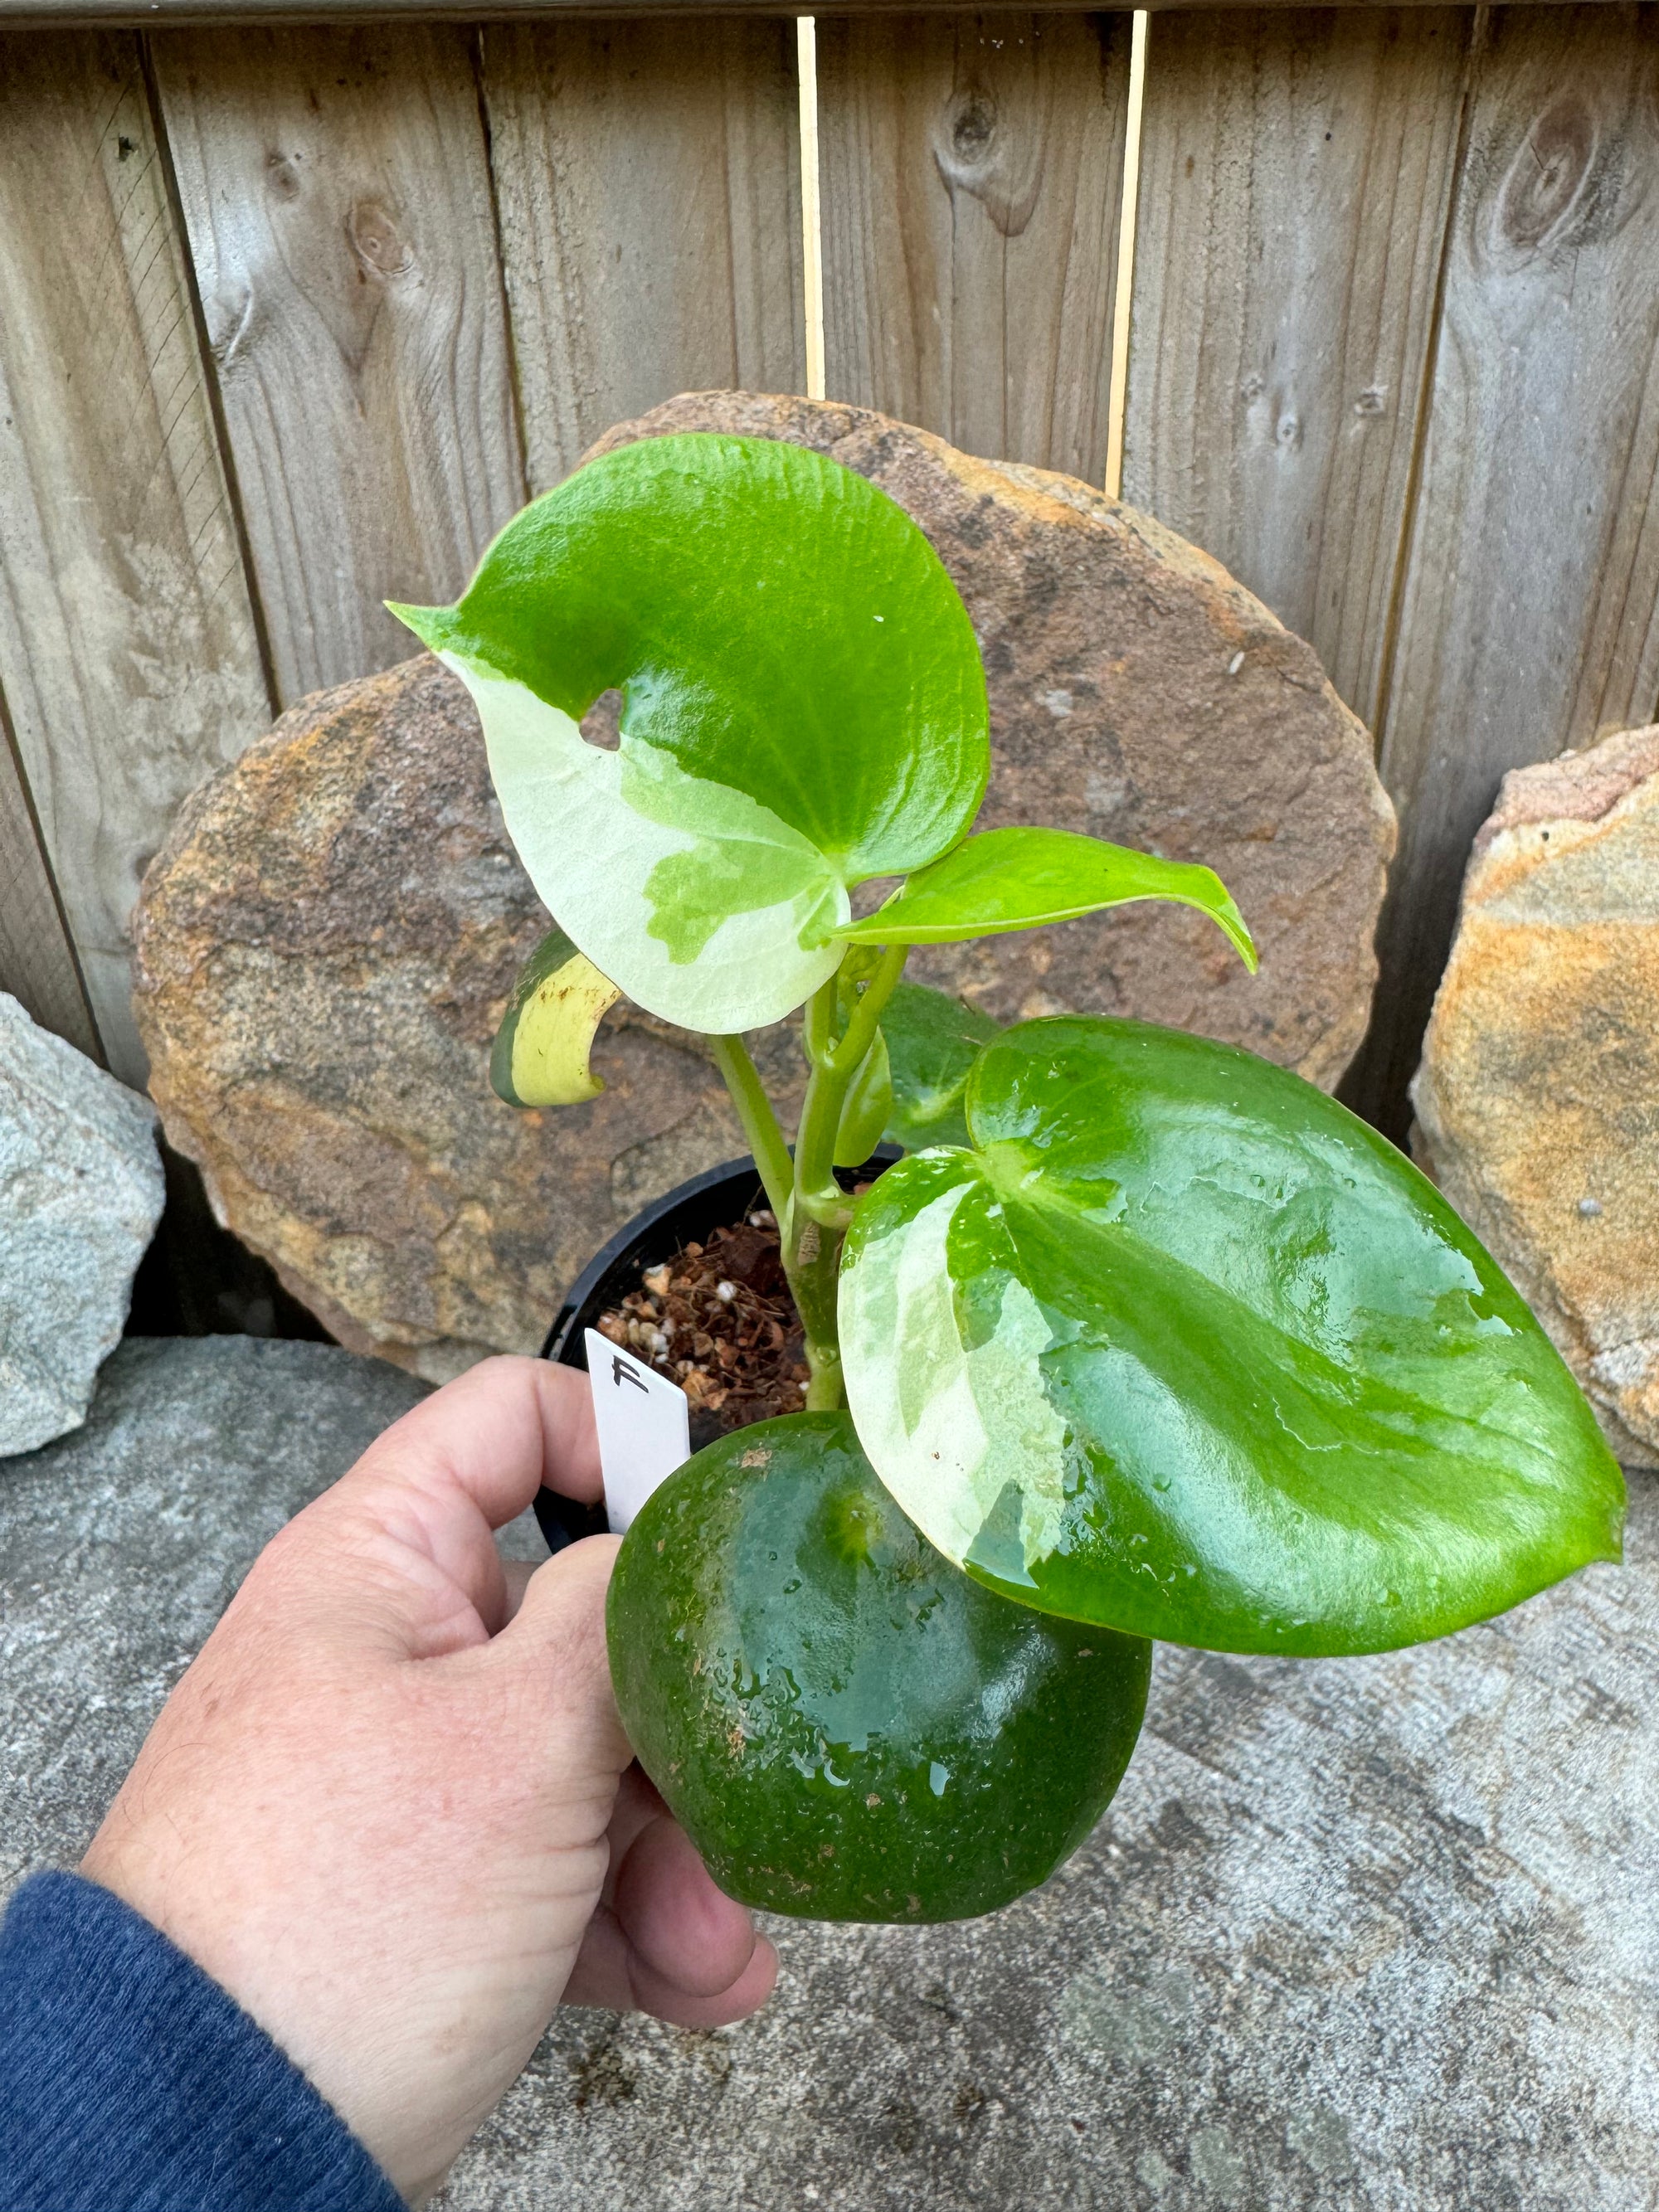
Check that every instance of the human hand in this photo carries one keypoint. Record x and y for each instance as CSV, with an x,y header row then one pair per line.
x,y
390,1809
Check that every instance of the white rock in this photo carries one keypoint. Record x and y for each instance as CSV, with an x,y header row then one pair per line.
x,y
80,1195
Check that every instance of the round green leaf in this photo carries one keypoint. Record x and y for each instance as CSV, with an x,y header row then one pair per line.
x,y
1185,1348
846,1727
803,708
1022,879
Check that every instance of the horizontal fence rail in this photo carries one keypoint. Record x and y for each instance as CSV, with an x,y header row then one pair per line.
x,y
294,319
136,14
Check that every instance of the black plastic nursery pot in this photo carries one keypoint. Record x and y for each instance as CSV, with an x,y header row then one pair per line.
x,y
845,1724
717,1198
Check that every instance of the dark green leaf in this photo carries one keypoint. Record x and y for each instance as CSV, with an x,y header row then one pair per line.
x,y
1185,1348
845,1726
933,1040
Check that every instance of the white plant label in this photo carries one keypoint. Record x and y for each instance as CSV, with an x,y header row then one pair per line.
x,y
644,1424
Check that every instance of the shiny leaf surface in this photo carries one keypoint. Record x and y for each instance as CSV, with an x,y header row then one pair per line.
x,y
1008,879
1185,1348
803,707
846,1727
933,1040
540,1055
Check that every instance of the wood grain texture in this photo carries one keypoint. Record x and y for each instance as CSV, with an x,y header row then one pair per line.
x,y
971,167
648,179
336,187
1527,609
128,654
37,964
1296,175
109,12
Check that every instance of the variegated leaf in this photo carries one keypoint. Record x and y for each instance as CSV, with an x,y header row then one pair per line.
x,y
803,709
1183,1347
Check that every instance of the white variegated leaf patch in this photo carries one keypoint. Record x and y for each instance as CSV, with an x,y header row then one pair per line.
x,y
948,1397
697,901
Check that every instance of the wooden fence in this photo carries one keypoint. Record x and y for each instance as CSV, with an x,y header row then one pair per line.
x,y
294,318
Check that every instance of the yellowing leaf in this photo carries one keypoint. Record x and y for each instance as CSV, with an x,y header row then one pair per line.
x,y
540,1056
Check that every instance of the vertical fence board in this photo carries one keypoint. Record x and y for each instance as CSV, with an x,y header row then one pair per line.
x,y
128,654
1296,175
336,187
972,166
1526,615
647,174
37,966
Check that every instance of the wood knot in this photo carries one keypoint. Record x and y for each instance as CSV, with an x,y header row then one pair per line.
x,y
973,129
1548,173
377,241
975,155
282,176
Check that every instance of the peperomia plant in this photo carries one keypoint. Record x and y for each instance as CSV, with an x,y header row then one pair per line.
x,y
1144,1337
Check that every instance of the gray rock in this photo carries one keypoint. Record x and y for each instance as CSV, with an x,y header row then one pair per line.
x,y
1376,1934
80,1195
121,1545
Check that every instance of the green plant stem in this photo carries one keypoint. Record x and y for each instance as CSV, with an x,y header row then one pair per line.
x,y
812,1210
818,1197
813,1268
760,1124
821,1210
818,1027
860,1034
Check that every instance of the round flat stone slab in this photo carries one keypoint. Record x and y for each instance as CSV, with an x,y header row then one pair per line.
x,y
324,949
1358,1935
1138,693
327,940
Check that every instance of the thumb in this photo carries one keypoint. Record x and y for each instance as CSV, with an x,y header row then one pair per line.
x,y
552,1653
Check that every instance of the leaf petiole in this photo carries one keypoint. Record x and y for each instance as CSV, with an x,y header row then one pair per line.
x,y
760,1124
813,1212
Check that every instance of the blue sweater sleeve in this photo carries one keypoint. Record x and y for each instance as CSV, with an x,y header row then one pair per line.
x,y
131,2083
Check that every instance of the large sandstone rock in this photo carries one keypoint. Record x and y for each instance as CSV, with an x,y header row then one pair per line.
x,y
323,948
1358,1935
80,1195
1538,1098
326,941
1137,693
